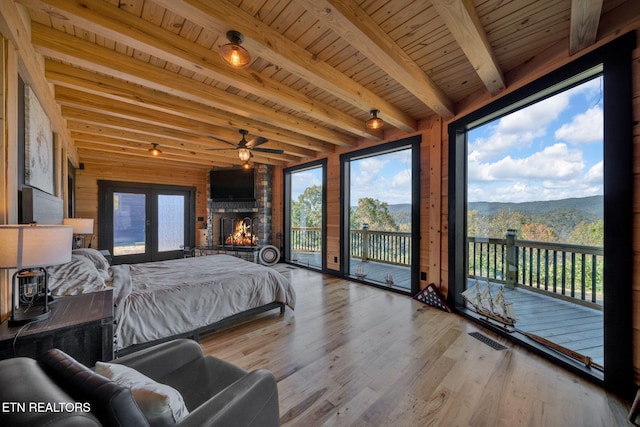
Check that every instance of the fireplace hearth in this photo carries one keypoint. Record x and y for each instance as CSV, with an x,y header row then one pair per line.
x,y
239,231
249,221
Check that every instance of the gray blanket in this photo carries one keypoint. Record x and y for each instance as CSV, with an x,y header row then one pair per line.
x,y
160,299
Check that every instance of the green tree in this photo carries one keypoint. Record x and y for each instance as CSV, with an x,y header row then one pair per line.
x,y
539,232
373,212
588,233
307,210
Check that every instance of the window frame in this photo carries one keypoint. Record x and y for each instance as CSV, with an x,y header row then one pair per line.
x,y
615,58
286,216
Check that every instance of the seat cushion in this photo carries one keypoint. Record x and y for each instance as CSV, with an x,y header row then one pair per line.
x,y
161,404
202,378
111,402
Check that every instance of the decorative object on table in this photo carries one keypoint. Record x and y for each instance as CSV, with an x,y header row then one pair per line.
x,y
493,307
432,296
29,248
360,271
388,278
38,156
82,227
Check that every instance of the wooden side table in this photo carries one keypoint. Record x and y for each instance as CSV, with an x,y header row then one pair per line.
x,y
80,325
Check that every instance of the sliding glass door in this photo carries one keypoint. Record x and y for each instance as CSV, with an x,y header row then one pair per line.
x,y
305,215
150,223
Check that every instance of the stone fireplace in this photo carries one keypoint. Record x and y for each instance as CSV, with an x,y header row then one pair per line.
x,y
249,222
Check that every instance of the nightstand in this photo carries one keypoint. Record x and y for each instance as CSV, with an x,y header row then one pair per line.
x,y
80,325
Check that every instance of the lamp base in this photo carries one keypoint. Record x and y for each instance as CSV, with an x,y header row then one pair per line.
x,y
23,315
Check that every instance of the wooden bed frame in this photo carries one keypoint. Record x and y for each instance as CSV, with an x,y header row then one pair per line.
x,y
195,334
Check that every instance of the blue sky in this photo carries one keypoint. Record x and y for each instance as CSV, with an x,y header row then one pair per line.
x,y
385,177
551,150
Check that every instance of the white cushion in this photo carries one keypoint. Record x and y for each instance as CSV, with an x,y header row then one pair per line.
x,y
161,404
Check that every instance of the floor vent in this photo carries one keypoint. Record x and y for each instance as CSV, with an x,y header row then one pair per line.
x,y
488,341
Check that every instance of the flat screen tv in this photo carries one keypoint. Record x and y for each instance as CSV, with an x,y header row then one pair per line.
x,y
232,184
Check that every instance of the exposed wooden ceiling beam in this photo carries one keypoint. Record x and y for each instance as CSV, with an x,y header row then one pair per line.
x,y
585,18
462,20
96,84
102,105
67,48
353,24
98,161
270,45
130,30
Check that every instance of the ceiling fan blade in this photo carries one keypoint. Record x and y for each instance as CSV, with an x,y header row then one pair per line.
x,y
268,150
258,140
222,140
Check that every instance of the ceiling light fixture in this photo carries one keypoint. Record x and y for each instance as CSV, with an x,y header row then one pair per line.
x,y
375,122
246,165
234,54
154,150
244,154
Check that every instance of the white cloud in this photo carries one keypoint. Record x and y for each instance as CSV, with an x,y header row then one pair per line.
x,y
518,129
585,127
553,162
595,175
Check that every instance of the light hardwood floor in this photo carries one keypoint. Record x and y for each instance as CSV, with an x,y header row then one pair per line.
x,y
351,354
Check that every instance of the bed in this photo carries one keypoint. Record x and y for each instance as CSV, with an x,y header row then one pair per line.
x,y
157,301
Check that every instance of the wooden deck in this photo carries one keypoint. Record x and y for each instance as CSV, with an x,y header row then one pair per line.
x,y
355,355
568,324
376,271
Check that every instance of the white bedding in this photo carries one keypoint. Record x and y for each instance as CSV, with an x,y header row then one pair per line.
x,y
161,299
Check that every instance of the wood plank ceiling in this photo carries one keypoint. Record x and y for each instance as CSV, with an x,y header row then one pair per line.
x,y
129,73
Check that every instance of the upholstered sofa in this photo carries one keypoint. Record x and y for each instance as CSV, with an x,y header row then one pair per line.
x,y
169,384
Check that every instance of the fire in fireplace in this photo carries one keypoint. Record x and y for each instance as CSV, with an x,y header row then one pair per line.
x,y
239,232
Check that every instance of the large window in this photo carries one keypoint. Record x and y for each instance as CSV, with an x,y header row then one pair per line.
x,y
538,215
305,215
380,188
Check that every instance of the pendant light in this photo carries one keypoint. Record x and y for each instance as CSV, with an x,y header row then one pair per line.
x,y
234,54
154,150
375,122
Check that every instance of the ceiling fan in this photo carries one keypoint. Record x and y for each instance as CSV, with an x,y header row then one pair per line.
x,y
245,147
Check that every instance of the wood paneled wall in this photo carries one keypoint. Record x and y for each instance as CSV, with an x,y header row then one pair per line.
x,y
105,169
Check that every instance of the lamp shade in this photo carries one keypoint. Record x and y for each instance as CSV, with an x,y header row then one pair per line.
x,y
80,225
27,246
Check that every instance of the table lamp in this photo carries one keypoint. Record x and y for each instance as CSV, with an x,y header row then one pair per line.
x,y
29,248
81,227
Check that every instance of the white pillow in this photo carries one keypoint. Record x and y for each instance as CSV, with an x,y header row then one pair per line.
x,y
93,255
161,404
79,276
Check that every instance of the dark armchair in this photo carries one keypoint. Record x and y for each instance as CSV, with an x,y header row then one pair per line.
x,y
214,392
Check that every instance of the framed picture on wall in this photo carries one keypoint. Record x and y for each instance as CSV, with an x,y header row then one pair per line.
x,y
38,136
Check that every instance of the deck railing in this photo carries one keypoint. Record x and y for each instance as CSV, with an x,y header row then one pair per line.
x,y
389,247
573,271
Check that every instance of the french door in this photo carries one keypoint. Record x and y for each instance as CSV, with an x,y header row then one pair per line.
x,y
141,223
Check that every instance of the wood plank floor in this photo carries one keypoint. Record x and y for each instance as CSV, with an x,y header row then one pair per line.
x,y
351,354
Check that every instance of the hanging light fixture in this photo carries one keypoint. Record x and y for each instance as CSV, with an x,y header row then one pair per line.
x,y
244,154
154,150
246,165
234,54
375,122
